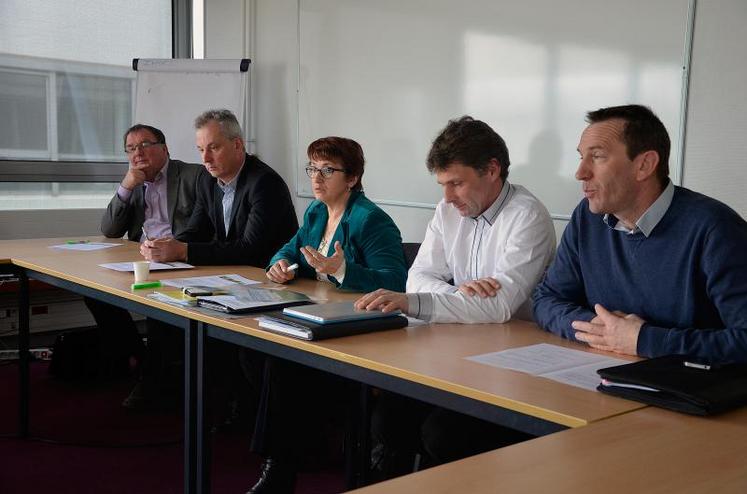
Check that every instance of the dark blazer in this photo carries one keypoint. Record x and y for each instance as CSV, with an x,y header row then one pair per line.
x,y
262,220
370,239
128,217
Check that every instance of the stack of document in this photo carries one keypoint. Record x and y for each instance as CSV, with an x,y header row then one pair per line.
x,y
227,293
248,299
175,291
174,297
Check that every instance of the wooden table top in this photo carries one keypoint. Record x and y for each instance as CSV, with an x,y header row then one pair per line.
x,y
432,355
649,450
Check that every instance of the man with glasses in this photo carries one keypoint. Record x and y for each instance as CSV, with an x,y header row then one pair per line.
x,y
156,195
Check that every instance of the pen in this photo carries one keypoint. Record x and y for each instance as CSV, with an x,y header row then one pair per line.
x,y
145,284
292,267
145,233
696,365
72,242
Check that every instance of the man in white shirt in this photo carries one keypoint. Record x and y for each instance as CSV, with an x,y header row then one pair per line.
x,y
484,251
488,243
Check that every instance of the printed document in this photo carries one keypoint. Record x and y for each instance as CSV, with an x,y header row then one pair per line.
x,y
554,362
85,246
154,266
216,281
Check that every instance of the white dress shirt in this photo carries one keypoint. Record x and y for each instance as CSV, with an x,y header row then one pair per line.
x,y
229,192
512,241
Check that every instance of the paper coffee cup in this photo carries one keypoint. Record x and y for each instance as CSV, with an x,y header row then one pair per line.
x,y
142,269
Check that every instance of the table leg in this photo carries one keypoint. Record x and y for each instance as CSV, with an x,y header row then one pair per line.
x,y
196,447
24,331
203,451
357,447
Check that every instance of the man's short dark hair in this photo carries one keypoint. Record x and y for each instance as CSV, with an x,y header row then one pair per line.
x,y
643,131
468,142
160,138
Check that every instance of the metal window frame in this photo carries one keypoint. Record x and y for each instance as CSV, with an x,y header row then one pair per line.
x,y
36,170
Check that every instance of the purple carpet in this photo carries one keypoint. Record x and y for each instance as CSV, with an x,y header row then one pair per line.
x,y
86,442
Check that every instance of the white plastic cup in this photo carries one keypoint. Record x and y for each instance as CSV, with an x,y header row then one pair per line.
x,y
142,270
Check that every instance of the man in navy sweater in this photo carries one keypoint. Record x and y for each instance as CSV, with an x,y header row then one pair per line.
x,y
645,267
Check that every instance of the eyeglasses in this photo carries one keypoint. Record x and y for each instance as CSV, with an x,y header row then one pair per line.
x,y
326,171
142,146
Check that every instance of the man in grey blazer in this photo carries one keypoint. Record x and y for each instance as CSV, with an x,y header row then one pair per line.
x,y
156,196
139,200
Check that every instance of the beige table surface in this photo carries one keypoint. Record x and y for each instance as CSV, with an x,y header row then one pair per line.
x,y
649,450
432,355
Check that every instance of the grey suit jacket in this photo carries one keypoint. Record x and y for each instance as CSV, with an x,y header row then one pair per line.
x,y
128,217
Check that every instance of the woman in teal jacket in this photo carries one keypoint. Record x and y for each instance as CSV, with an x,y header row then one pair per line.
x,y
345,239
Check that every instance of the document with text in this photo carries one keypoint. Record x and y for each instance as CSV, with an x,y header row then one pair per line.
x,y
154,266
214,281
554,362
84,245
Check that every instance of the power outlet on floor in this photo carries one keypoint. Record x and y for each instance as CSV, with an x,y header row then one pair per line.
x,y
37,353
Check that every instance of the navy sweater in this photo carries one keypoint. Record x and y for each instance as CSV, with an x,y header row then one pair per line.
x,y
687,280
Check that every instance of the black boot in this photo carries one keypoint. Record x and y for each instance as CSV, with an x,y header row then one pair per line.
x,y
276,477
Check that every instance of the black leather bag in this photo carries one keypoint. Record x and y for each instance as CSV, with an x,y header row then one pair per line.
x,y
677,383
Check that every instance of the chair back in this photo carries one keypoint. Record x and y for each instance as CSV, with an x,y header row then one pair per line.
x,y
411,251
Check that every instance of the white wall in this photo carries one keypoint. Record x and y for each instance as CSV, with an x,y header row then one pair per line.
x,y
715,148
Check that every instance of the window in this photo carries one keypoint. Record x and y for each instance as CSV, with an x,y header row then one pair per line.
x,y
76,115
66,93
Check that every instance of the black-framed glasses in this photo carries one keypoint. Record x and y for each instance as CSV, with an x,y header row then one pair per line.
x,y
141,146
326,171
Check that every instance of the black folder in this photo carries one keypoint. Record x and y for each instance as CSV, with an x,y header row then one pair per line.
x,y
678,383
306,330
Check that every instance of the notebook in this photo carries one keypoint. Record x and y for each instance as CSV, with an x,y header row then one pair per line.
x,y
334,313
278,322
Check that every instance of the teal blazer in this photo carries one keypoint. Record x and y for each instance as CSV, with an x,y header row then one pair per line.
x,y
371,241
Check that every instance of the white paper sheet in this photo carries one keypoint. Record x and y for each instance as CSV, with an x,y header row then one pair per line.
x,y
216,281
554,362
154,266
84,246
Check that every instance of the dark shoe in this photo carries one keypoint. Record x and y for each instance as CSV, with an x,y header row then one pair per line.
x,y
142,399
275,478
235,420
387,464
136,399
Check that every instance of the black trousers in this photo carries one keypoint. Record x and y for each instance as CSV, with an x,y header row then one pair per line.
x,y
118,335
402,427
163,366
297,406
225,389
